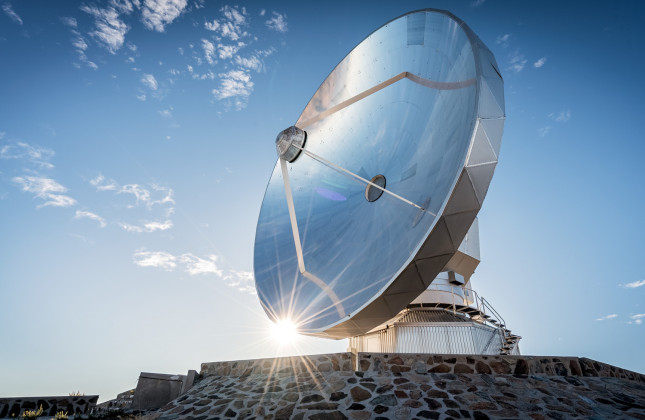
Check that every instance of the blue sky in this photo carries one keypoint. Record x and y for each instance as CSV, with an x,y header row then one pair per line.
x,y
136,140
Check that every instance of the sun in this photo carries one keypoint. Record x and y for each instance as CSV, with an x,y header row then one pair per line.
x,y
284,331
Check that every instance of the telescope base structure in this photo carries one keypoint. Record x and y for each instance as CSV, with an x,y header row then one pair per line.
x,y
407,386
447,318
436,330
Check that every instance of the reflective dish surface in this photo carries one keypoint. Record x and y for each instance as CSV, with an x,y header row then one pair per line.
x,y
402,106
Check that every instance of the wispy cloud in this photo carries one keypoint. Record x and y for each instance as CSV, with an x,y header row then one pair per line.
x,y
209,51
637,319
10,12
477,3
278,22
166,113
150,81
232,25
102,185
242,281
635,284
36,155
147,226
517,62
157,14
144,196
69,21
194,265
604,318
251,63
157,259
235,84
561,117
81,214
543,131
503,40
46,189
540,63
110,29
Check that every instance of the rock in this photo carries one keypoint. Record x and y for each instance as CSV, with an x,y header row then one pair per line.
x,y
574,367
311,398
462,368
483,405
428,414
336,396
482,367
501,367
365,365
285,412
334,415
320,406
383,389
388,399
420,367
380,409
435,393
478,415
521,368
230,413
291,396
413,403
440,369
359,394
356,406
432,404
360,415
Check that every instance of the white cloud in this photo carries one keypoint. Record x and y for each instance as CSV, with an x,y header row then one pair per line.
x,y
101,185
69,21
232,25
517,62
611,316
166,113
209,51
150,81
158,259
637,319
227,51
543,131
242,281
46,189
110,29
147,226
278,22
89,215
195,265
503,40
234,83
36,155
12,15
635,284
251,63
563,116
477,3
262,12
157,14
142,97
540,63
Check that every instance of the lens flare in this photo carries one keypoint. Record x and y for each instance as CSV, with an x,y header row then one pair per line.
x,y
284,331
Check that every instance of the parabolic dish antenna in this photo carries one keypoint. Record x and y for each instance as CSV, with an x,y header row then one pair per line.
x,y
381,177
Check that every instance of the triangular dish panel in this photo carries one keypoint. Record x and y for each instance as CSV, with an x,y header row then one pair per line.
x,y
481,176
481,151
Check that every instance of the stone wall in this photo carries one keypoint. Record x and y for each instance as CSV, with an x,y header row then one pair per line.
x,y
14,407
407,386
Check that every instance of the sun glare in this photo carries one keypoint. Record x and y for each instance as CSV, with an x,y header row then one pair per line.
x,y
284,331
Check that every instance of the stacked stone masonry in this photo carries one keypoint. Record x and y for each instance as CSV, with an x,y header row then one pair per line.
x,y
14,407
411,386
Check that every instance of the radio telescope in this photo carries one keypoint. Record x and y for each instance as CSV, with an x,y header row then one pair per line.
x,y
368,225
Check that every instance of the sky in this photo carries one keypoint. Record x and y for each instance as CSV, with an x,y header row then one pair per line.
x,y
137,138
